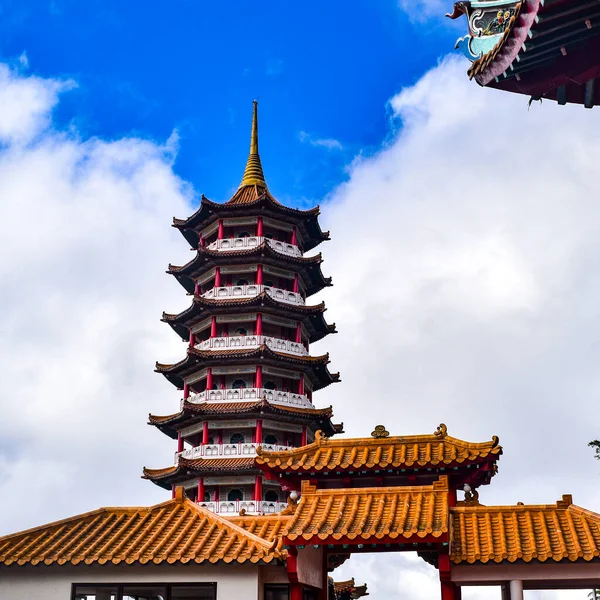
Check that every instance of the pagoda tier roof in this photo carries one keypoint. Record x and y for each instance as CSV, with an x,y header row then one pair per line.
x,y
311,316
314,366
344,455
178,531
358,515
253,200
546,51
554,533
308,266
170,424
186,468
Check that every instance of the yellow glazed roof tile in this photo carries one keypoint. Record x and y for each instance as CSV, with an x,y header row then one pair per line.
x,y
380,452
400,513
174,531
554,532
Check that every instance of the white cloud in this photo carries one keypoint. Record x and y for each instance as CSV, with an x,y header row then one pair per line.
x,y
329,143
464,258
24,60
421,10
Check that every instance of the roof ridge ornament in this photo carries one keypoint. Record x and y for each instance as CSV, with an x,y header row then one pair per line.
x,y
253,174
380,432
441,431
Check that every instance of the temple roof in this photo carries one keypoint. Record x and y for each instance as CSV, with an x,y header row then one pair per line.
x,y
177,531
351,454
205,259
553,532
314,366
350,588
186,468
547,50
311,316
169,423
361,514
253,198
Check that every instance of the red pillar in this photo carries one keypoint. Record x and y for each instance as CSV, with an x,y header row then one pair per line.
x,y
451,498
196,289
294,236
179,443
205,433
186,390
259,431
220,436
295,591
220,233
192,340
173,491
209,379
259,328
304,435
448,591
213,326
296,288
259,275
217,493
301,385
258,378
202,242
217,277
201,491
259,227
298,332
258,488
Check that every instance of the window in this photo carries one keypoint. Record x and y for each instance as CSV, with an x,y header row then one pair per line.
x,y
238,384
272,496
241,331
268,283
241,282
277,592
271,439
270,385
235,495
237,438
144,591
243,234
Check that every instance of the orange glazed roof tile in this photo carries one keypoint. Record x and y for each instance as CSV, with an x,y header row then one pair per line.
x,y
200,465
177,531
555,532
406,451
364,513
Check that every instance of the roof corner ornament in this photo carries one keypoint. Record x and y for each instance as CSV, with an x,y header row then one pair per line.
x,y
495,441
471,495
320,437
292,504
380,432
441,431
259,450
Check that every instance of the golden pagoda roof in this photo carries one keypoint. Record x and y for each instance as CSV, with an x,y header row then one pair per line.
x,y
177,531
324,454
553,532
401,513
350,587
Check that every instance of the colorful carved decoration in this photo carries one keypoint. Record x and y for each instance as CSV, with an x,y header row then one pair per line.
x,y
380,432
487,21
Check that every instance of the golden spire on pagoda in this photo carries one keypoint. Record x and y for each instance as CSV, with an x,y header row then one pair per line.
x,y
253,175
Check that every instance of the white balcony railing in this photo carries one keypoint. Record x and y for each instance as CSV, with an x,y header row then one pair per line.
x,y
253,241
252,341
251,290
227,451
250,506
251,394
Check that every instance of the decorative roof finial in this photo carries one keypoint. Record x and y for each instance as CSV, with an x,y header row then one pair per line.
x,y
253,175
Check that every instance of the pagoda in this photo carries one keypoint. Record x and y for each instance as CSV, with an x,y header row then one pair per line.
x,y
247,378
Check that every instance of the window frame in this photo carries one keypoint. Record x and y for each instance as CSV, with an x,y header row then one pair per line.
x,y
167,586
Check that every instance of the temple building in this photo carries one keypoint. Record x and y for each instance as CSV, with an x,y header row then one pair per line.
x,y
248,377
546,49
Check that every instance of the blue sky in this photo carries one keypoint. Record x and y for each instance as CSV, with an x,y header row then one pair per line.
x,y
323,68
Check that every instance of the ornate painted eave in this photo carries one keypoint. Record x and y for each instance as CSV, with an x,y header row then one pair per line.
x,y
314,366
205,259
201,307
544,49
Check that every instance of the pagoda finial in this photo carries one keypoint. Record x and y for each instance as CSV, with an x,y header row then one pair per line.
x,y
253,175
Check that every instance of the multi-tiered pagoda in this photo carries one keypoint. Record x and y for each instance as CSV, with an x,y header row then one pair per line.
x,y
247,378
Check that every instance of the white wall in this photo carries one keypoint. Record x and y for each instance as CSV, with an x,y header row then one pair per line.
x,y
54,582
